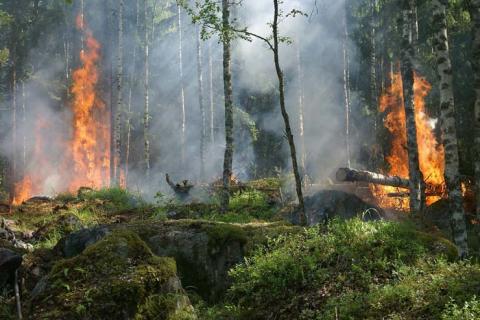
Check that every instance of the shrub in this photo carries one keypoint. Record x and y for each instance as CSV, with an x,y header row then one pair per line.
x,y
354,270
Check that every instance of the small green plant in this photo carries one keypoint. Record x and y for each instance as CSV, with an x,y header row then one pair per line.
x,y
469,311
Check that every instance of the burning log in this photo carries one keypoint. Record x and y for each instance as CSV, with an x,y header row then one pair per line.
x,y
352,175
407,194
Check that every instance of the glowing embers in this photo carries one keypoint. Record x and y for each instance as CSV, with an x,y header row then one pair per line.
x,y
431,153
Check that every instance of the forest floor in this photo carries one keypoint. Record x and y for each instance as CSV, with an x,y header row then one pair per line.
x,y
109,254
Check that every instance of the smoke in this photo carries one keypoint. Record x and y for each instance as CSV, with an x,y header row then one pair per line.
x,y
318,38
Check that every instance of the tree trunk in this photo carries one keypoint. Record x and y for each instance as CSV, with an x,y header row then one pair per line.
x,y
346,90
119,109
210,89
352,175
24,128
373,62
417,186
301,113
448,126
182,84
228,92
475,14
132,81
146,110
203,129
288,130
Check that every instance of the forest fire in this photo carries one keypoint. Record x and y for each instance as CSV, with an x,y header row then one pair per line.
x,y
85,152
431,153
90,145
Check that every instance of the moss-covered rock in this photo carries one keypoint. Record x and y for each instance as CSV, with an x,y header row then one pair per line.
x,y
114,278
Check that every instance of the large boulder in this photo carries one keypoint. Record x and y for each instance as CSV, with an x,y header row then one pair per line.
x,y
204,251
327,204
116,278
10,261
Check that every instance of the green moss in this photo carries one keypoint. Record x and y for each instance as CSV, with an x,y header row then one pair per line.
x,y
109,280
220,234
166,307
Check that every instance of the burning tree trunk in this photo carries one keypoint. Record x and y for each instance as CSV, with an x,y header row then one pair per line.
x,y
117,156
352,175
228,92
182,83
146,111
448,126
417,186
201,104
475,13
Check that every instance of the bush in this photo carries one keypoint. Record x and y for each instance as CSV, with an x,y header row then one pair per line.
x,y
355,270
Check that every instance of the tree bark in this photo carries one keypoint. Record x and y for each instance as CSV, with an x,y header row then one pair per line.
x,y
352,175
210,89
373,61
288,130
417,185
448,126
146,110
301,113
346,88
475,14
182,84
203,128
132,81
228,92
119,109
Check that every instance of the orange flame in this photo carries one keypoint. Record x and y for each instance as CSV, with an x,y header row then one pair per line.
x,y
90,146
85,156
431,153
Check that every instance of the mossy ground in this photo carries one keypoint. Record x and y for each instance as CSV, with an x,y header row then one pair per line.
x,y
349,270
113,279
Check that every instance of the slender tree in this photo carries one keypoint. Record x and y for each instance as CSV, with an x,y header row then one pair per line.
x,y
146,110
346,87
417,185
228,93
475,14
448,126
119,106
301,113
210,90
201,104
132,82
182,83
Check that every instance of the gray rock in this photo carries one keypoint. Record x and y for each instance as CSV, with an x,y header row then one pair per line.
x,y
9,262
76,242
327,204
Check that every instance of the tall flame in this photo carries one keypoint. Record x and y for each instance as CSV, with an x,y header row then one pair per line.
x,y
85,155
431,153
90,146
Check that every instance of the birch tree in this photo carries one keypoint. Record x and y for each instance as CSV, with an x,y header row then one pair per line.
x,y
448,126
146,109
417,185
182,83
201,104
119,105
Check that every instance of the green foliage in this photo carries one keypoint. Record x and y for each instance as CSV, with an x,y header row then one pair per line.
x,y
469,311
115,199
359,270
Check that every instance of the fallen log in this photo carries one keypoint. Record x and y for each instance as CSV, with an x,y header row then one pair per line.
x,y
407,194
352,175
